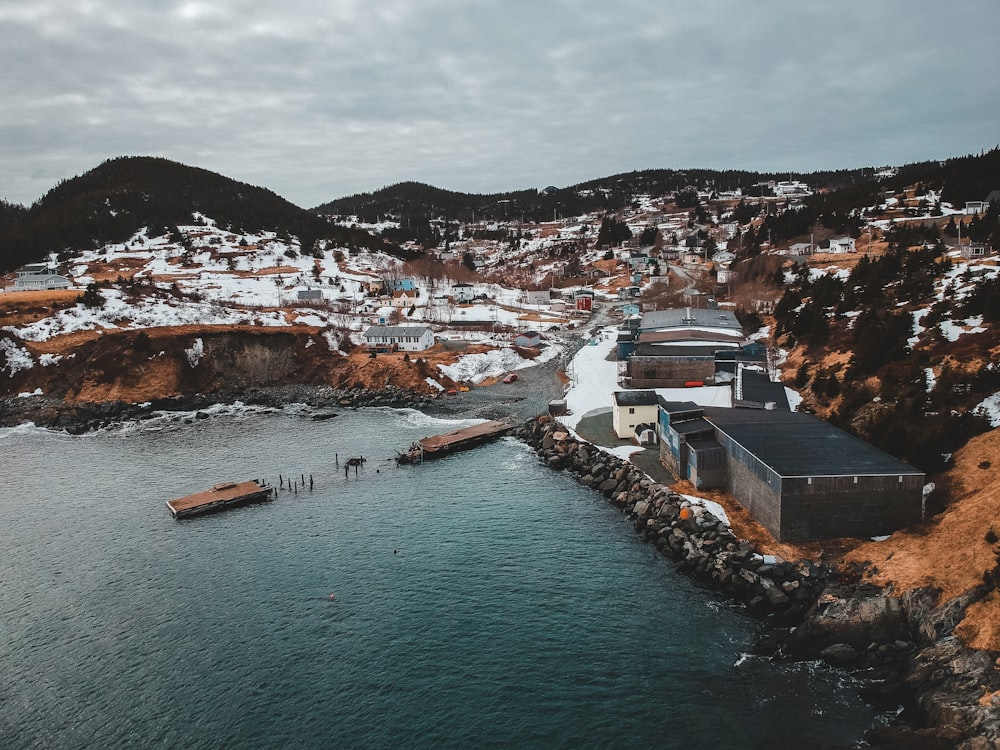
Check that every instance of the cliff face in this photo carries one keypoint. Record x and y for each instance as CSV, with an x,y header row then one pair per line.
x,y
155,363
137,366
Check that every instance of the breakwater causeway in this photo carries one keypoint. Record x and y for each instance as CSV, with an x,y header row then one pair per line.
x,y
699,542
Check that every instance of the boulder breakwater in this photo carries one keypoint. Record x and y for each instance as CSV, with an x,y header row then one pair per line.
x,y
698,542
943,694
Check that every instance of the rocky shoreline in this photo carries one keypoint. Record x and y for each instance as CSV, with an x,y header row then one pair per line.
x,y
79,418
902,648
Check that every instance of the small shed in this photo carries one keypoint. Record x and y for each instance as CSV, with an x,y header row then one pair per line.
x,y
527,339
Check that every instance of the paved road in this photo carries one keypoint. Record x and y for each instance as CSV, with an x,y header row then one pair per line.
x,y
534,388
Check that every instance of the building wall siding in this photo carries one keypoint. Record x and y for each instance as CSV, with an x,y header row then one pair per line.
x,y
755,494
660,372
841,506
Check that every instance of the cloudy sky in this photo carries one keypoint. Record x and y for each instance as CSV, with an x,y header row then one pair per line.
x,y
318,99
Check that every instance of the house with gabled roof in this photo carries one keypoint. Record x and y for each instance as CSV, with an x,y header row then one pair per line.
x,y
38,276
632,409
399,338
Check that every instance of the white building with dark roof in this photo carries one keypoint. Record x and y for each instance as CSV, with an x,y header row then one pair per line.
x,y
632,409
399,338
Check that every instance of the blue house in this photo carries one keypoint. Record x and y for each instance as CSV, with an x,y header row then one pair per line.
x,y
402,285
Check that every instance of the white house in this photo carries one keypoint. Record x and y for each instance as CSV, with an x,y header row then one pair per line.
x,y
631,409
463,293
842,245
404,298
399,338
38,276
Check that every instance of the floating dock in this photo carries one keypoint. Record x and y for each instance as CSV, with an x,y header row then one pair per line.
x,y
437,446
224,495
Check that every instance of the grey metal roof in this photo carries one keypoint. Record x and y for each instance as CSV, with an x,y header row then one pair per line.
x,y
395,331
690,316
635,398
800,445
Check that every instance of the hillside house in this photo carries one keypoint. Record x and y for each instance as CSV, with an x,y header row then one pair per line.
x,y
629,291
401,285
309,295
632,409
583,300
975,250
800,477
527,339
37,277
463,293
403,299
536,297
842,245
801,248
399,338
639,261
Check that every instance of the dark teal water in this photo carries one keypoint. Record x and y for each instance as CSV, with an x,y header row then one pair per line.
x,y
480,601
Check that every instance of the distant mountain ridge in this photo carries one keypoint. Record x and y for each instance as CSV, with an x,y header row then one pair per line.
x,y
121,196
961,179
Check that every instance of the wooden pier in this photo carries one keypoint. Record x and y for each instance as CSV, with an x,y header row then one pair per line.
x,y
437,446
224,495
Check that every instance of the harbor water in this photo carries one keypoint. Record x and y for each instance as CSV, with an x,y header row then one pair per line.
x,y
481,600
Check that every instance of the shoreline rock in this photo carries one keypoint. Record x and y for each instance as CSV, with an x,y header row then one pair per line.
x,y
902,648
83,417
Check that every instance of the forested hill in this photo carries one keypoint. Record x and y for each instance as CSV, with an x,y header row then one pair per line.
x,y
121,196
960,179
412,200
415,199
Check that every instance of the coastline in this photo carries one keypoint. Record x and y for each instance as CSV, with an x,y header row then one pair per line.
x,y
902,648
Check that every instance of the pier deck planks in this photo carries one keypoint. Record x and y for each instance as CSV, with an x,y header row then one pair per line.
x,y
220,496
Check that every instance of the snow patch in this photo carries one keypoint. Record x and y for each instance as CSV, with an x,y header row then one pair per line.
x,y
990,408
194,354
18,358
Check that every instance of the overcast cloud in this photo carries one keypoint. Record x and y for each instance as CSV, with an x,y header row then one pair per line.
x,y
321,99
